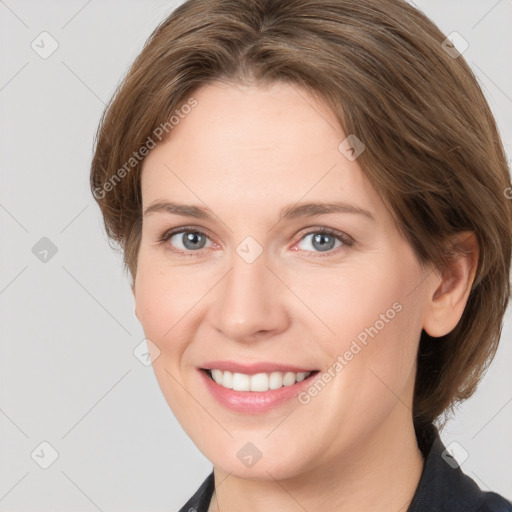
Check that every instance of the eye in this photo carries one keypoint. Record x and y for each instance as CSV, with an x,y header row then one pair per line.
x,y
190,241
185,240
324,240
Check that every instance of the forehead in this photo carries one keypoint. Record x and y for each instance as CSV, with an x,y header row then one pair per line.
x,y
252,122
255,147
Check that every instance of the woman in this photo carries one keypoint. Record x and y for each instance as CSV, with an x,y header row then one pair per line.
x,y
311,200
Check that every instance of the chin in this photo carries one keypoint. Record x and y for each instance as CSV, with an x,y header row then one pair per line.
x,y
258,460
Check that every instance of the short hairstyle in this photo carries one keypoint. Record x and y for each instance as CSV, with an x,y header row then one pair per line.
x,y
392,79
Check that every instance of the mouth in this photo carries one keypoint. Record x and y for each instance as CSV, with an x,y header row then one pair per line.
x,y
256,393
261,382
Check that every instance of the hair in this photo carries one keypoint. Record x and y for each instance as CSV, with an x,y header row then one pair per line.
x,y
433,151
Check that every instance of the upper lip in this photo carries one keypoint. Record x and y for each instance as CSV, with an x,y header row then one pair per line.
x,y
253,368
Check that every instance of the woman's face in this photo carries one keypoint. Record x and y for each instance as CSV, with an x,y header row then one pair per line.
x,y
249,283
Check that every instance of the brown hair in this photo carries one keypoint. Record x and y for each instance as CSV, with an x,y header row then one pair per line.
x,y
432,147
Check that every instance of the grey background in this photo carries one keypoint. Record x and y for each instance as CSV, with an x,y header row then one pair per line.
x,y
68,375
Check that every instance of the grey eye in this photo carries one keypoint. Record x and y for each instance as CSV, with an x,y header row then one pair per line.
x,y
189,240
320,242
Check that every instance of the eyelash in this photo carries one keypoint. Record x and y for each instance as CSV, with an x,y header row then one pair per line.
x,y
346,240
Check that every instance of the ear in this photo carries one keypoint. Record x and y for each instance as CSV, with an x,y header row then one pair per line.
x,y
134,297
447,300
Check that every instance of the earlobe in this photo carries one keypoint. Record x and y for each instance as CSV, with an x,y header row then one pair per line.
x,y
448,300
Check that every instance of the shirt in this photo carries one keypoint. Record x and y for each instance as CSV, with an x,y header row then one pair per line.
x,y
443,487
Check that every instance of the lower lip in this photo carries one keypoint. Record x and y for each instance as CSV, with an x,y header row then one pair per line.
x,y
251,402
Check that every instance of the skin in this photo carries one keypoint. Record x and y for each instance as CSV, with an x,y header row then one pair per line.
x,y
245,152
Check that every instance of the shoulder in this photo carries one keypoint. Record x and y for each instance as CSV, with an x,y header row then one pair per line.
x,y
493,502
444,487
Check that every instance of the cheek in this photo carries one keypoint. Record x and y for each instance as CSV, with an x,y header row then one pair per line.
x,y
164,310
162,301
163,294
371,325
352,302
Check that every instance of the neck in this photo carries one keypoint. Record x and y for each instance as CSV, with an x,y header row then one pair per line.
x,y
381,473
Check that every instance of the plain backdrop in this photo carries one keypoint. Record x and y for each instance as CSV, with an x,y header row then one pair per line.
x,y
73,396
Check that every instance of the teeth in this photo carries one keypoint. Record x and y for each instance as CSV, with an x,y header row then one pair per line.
x,y
257,382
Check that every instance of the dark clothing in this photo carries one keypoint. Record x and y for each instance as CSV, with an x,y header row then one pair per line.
x,y
443,487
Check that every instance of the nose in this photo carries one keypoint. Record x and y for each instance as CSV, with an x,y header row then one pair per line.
x,y
249,302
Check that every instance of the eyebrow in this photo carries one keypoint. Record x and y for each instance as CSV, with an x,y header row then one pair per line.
x,y
293,211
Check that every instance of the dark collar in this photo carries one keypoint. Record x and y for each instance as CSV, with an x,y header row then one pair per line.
x,y
443,487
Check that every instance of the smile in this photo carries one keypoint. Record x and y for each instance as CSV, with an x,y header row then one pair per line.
x,y
255,393
259,382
